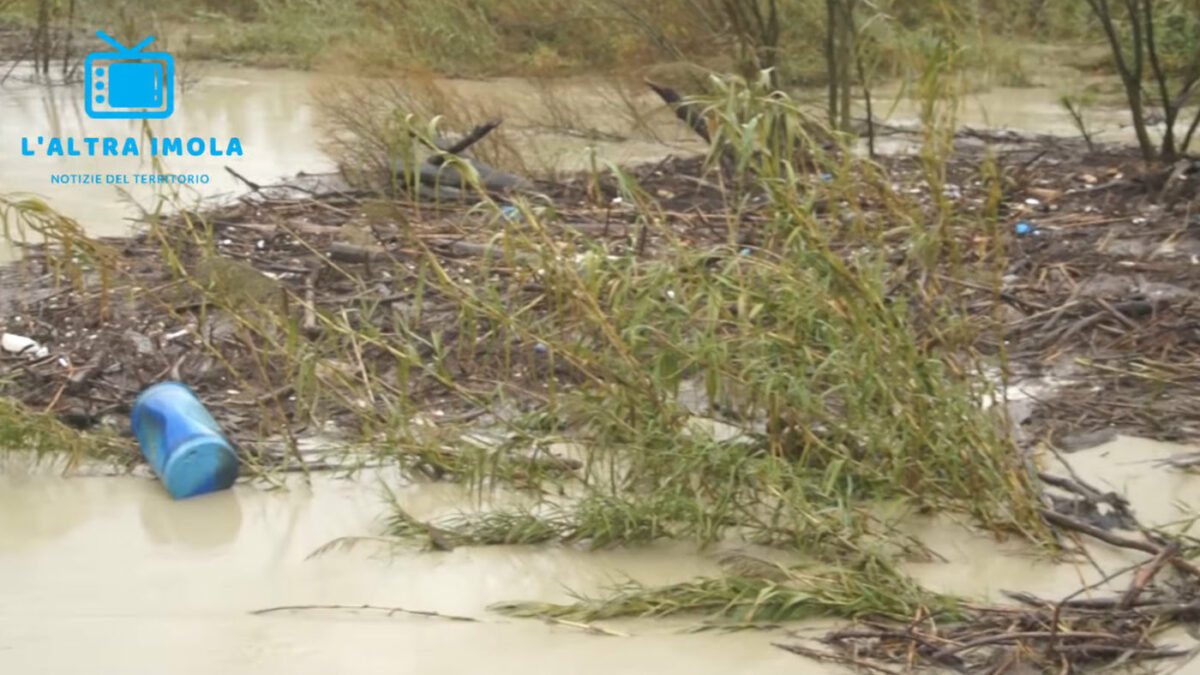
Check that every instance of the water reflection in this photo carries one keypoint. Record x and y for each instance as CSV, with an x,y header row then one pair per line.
x,y
33,511
204,522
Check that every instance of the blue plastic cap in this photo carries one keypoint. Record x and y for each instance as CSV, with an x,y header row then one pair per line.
x,y
1022,228
198,466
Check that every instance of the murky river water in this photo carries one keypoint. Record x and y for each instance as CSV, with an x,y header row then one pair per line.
x,y
136,583
267,110
110,575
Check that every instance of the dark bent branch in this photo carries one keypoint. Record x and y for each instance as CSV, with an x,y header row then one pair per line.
x,y
472,137
687,112
254,187
1116,540
434,179
1131,74
1187,137
1170,112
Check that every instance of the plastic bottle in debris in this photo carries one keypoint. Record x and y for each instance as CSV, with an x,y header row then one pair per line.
x,y
511,213
182,441
19,344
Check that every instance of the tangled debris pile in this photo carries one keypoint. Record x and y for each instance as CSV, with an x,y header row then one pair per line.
x,y
1100,293
1039,635
1109,300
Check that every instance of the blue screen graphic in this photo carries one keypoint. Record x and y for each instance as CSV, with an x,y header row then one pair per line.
x,y
135,85
128,83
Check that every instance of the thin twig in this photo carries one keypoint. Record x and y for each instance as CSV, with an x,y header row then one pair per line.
x,y
1055,518
831,656
1025,635
375,608
1146,574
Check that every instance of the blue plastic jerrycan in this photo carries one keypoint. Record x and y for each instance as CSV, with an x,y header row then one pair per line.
x,y
182,441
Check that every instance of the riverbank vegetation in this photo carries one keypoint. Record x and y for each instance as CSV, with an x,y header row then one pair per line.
x,y
784,342
776,374
557,37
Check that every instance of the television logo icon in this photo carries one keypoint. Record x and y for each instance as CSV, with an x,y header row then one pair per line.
x,y
128,83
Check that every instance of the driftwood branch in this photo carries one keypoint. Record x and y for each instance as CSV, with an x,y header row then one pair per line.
x,y
1145,575
843,659
254,187
473,136
689,113
341,251
353,253
389,611
1060,520
477,250
1016,636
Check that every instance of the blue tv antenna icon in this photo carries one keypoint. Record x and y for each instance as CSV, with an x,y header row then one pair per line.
x,y
128,83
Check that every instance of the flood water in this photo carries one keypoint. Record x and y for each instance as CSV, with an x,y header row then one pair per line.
x,y
108,575
136,583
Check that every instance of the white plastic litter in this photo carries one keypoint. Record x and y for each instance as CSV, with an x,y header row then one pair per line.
x,y
19,344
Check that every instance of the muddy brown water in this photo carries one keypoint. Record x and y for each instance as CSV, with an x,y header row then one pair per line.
x,y
271,112
267,110
108,575
136,583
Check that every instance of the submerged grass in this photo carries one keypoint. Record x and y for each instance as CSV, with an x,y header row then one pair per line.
x,y
43,434
848,383
868,587
596,521
847,379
